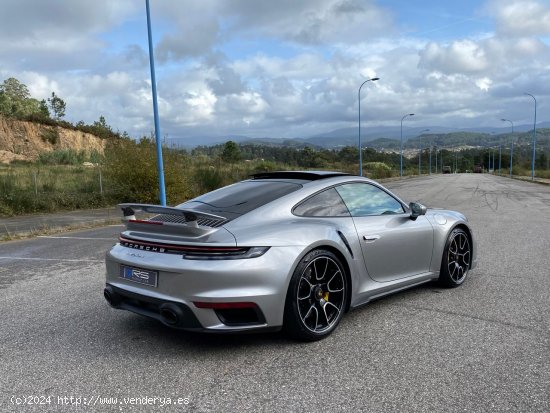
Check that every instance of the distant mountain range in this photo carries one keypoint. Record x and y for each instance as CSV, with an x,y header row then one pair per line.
x,y
375,137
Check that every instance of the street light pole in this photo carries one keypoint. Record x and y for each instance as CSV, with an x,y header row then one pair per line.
x,y
419,155
420,150
401,163
160,167
499,158
534,139
430,158
456,161
359,101
512,143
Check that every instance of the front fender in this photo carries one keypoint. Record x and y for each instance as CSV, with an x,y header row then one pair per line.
x,y
444,222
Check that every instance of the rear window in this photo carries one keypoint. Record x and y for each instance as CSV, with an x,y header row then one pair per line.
x,y
238,199
325,204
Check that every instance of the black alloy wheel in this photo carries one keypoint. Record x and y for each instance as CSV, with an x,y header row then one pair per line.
x,y
317,296
456,259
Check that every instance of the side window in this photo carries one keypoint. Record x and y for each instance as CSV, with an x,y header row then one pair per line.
x,y
325,204
365,199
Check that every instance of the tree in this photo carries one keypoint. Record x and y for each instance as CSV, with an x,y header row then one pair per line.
x,y
101,123
57,105
349,154
310,158
542,160
5,104
14,98
44,111
231,152
14,89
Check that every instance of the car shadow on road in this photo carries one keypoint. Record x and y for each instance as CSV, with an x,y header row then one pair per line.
x,y
153,334
151,331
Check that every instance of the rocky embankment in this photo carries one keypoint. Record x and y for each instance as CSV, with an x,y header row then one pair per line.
x,y
21,140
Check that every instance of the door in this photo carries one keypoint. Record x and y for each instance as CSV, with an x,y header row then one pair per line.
x,y
393,245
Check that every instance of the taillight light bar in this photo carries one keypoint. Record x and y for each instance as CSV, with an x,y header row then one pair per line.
x,y
195,252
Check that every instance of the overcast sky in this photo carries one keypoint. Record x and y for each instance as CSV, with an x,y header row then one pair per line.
x,y
283,68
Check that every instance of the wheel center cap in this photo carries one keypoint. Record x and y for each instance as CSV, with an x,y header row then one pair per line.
x,y
318,292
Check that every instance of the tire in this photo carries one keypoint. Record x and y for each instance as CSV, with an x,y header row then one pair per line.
x,y
456,259
316,297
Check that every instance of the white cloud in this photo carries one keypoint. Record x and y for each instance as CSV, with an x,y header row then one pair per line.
x,y
39,85
311,21
198,27
463,56
311,57
484,83
521,18
57,25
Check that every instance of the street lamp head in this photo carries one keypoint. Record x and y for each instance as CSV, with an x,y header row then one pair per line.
x,y
359,118
411,114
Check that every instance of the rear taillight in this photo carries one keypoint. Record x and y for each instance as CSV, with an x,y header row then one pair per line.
x,y
192,252
221,253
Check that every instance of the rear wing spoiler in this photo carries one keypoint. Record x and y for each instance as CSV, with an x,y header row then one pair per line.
x,y
189,214
188,218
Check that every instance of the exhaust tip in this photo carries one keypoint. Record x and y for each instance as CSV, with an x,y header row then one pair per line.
x,y
171,314
111,297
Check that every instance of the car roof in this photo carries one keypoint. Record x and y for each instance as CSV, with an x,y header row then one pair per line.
x,y
302,175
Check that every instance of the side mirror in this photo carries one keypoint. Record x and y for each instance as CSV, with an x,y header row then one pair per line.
x,y
417,210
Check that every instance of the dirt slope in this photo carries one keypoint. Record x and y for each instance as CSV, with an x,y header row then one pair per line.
x,y
20,140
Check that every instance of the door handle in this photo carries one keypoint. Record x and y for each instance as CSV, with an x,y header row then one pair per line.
x,y
371,238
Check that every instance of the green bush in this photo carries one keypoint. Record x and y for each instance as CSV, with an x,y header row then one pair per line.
x,y
131,172
266,166
50,135
378,170
207,178
62,157
45,188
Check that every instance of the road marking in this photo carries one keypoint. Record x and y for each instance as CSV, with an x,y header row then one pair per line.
x,y
47,259
48,236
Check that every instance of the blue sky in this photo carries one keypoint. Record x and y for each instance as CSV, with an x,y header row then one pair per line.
x,y
283,69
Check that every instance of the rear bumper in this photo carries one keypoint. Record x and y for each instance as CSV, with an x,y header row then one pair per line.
x,y
262,281
151,307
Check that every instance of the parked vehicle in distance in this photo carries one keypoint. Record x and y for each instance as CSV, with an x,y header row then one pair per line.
x,y
291,250
478,169
446,169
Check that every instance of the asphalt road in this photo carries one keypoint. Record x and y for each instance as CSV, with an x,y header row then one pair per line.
x,y
41,223
484,347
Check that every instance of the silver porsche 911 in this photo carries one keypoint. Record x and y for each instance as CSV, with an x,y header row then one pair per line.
x,y
291,250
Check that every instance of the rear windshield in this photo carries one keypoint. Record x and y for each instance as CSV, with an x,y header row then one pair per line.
x,y
238,199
